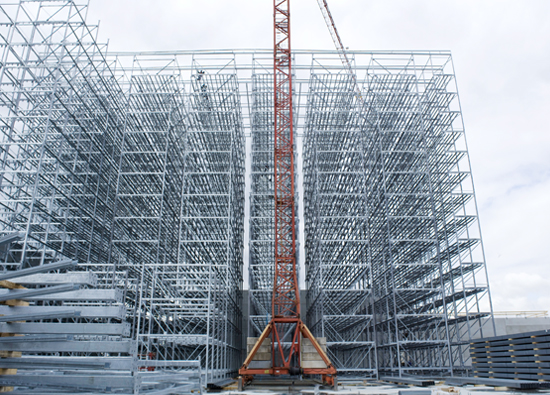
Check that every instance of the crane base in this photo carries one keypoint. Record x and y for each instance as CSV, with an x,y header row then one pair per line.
x,y
282,383
248,370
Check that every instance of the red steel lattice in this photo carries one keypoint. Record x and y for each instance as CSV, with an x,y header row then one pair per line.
x,y
286,326
286,300
285,308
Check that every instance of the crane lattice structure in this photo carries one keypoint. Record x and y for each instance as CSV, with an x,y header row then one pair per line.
x,y
286,327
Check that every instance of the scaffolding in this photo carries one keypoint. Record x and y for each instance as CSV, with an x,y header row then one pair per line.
x,y
135,165
395,264
132,166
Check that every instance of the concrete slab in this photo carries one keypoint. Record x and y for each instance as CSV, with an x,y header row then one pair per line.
x,y
311,356
253,340
262,348
262,356
312,349
313,364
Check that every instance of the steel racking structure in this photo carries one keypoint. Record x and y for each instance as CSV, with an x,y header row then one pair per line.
x,y
133,164
178,211
132,167
394,259
262,207
338,260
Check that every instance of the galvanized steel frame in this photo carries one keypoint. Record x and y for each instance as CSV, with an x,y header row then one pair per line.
x,y
391,218
73,115
131,166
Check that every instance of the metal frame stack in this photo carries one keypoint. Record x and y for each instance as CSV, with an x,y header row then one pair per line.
x,y
63,335
521,356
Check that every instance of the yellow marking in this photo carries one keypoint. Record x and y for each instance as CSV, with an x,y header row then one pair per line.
x,y
10,285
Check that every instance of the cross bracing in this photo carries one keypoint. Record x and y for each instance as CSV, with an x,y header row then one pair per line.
x,y
133,164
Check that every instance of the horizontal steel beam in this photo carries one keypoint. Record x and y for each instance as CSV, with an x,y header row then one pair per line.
x,y
38,269
32,338
39,316
36,294
69,329
85,311
10,238
113,347
85,278
87,295
99,381
55,362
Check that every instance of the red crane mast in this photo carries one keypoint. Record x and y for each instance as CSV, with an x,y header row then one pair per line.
x,y
286,293
286,325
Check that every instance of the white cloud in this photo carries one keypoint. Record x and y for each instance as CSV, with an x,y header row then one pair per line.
x,y
515,290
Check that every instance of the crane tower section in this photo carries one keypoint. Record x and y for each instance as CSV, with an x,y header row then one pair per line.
x,y
286,294
286,327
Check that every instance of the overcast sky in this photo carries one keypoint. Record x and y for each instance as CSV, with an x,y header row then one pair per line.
x,y
501,53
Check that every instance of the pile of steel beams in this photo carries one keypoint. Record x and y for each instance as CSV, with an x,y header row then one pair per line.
x,y
522,356
61,334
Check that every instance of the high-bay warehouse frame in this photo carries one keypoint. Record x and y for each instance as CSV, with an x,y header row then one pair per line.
x,y
140,167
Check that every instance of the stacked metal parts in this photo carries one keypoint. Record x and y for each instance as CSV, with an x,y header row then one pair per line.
x,y
62,335
521,356
520,361
136,171
394,256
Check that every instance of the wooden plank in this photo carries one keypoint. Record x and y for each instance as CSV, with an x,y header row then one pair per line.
x,y
9,285
10,354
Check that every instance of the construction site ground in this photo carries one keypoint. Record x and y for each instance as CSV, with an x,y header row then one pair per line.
x,y
366,387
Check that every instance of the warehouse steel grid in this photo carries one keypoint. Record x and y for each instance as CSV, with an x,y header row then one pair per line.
x,y
262,206
418,246
125,167
339,275
134,165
